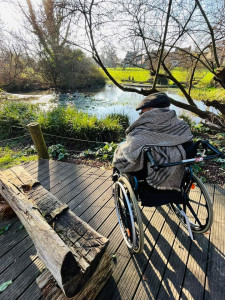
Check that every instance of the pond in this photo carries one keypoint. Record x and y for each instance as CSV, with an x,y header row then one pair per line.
x,y
108,100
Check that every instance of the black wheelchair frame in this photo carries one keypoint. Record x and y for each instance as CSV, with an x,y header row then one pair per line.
x,y
195,211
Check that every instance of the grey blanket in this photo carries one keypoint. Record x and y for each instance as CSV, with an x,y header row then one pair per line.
x,y
164,132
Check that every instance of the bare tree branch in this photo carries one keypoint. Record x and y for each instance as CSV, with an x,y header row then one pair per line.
x,y
211,32
146,30
163,44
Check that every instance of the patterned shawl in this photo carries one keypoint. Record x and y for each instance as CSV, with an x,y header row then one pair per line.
x,y
165,133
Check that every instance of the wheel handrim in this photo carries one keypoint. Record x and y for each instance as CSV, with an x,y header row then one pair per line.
x,y
198,207
122,227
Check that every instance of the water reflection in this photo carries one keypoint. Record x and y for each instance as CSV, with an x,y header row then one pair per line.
x,y
110,100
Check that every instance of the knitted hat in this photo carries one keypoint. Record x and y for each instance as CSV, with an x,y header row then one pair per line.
x,y
156,100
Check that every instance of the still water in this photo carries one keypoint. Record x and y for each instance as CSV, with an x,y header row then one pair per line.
x,y
109,100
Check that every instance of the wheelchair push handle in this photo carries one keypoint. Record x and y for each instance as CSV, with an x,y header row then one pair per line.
x,y
205,144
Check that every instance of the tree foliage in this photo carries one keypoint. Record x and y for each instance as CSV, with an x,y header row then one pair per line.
x,y
18,71
60,65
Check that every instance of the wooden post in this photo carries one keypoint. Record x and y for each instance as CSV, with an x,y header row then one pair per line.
x,y
38,139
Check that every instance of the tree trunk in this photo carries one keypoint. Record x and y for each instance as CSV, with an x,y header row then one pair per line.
x,y
69,247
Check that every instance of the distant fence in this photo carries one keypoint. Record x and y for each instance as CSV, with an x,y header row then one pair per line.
x,y
33,136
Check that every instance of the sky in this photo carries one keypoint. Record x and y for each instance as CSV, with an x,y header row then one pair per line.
x,y
12,18
9,14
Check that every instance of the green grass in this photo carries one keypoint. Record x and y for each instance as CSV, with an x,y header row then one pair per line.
x,y
201,91
137,73
79,125
180,74
67,122
14,116
10,157
209,94
60,121
203,76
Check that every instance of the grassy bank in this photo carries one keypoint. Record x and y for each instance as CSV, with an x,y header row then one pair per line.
x,y
120,74
10,157
202,76
60,121
202,90
59,126
209,94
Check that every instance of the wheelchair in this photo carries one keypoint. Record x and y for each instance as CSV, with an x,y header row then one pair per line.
x,y
192,204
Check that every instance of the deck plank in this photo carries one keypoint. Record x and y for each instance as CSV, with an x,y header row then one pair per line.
x,y
194,280
82,200
157,261
171,266
14,225
197,260
123,257
24,280
10,257
215,287
32,292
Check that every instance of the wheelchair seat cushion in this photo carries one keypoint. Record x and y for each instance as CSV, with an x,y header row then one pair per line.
x,y
150,196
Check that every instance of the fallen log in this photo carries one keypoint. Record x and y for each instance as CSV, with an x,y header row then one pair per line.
x,y
69,247
51,291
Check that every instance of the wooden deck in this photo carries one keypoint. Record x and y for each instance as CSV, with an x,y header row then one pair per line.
x,y
171,266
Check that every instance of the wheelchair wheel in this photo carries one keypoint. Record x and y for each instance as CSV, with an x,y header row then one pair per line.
x,y
128,214
198,207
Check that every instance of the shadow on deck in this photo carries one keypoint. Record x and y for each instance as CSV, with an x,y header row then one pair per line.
x,y
171,266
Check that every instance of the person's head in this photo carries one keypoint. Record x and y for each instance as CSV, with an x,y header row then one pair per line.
x,y
156,100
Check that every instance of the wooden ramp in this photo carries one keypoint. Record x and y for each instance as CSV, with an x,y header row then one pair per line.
x,y
171,266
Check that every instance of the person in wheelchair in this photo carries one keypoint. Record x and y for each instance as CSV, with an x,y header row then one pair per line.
x,y
170,140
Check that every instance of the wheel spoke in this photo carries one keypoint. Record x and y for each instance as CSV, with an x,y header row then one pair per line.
x,y
197,206
197,203
194,214
128,215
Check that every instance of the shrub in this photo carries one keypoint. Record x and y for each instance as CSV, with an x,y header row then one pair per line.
x,y
188,120
76,124
26,81
58,152
14,116
162,80
66,122
104,153
72,70
122,119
